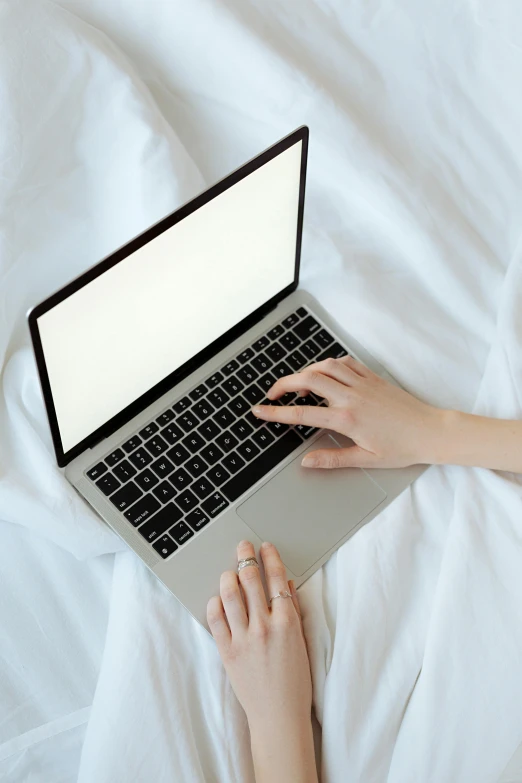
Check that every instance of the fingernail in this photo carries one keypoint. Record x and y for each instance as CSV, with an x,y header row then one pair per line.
x,y
265,545
309,462
257,410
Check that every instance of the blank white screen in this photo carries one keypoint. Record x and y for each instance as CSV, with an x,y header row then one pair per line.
x,y
122,333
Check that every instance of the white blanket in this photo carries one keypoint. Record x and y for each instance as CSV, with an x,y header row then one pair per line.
x,y
412,230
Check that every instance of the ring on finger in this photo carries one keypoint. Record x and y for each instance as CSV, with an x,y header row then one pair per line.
x,y
281,594
247,561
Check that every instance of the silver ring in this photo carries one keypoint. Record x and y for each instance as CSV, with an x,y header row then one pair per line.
x,y
281,594
248,561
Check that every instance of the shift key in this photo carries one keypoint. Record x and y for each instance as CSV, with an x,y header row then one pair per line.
x,y
160,522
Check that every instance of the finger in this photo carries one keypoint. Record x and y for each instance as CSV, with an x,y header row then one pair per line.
x,y
218,625
338,370
310,415
232,602
295,599
353,457
275,574
309,380
250,581
357,366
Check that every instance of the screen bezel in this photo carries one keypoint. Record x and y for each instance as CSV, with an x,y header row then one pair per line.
x,y
146,399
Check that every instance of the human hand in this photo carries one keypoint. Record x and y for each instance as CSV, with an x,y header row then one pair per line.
x,y
390,427
263,649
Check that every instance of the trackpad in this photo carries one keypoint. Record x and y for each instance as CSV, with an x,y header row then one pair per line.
x,y
306,512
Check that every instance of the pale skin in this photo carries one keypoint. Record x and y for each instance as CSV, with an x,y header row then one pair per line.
x,y
263,649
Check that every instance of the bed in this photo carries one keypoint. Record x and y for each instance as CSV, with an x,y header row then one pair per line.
x,y
112,115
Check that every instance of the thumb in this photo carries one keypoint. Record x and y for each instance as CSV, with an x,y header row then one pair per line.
x,y
353,457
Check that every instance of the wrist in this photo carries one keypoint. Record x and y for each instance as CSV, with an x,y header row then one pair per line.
x,y
435,448
283,750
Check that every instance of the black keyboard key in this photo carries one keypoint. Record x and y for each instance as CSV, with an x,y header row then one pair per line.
x,y
247,374
277,427
202,487
218,475
193,442
164,418
209,430
253,394
241,429
275,351
196,466
263,438
266,381
301,312
226,441
274,333
164,491
245,356
214,380
97,471
259,467
150,429
203,409
163,467
308,399
260,344
160,522
180,479
239,405
262,363
215,504
232,386
131,444
146,479
172,434
108,483
114,457
253,420
287,399
290,320
305,431
198,392
211,454
178,454
197,519
310,349
323,338
181,533
218,397
305,329
188,421
124,471
126,496
229,368
187,500
165,546
335,351
156,445
182,405
142,510
248,450
224,418
281,369
140,458
233,462
296,360
289,341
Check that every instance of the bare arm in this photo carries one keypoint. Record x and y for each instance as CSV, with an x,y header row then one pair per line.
x,y
390,427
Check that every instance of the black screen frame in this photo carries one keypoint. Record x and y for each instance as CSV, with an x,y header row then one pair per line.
x,y
109,427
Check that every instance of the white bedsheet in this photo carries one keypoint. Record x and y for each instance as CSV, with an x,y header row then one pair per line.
x,y
413,223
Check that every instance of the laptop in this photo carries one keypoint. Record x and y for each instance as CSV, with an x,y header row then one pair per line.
x,y
150,361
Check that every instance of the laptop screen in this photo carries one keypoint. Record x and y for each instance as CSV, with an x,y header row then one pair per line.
x,y
130,327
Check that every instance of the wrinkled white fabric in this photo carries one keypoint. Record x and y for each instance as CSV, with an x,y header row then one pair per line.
x,y
112,115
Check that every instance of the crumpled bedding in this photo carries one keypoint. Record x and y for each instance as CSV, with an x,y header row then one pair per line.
x,y
114,115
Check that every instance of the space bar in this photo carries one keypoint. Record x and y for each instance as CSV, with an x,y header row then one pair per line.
x,y
262,465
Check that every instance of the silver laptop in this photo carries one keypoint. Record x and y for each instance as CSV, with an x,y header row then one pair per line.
x,y
150,362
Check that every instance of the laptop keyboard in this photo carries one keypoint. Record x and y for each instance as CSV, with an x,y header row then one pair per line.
x,y
197,457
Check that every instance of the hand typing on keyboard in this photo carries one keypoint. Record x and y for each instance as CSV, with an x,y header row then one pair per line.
x,y
390,428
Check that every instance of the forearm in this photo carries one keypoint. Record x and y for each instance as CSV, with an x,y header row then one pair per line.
x,y
466,439
284,754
